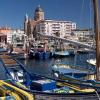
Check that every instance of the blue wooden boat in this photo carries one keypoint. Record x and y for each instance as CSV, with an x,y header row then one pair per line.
x,y
65,72
39,55
3,49
39,51
42,55
62,69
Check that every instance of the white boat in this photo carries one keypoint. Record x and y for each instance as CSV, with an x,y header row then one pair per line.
x,y
63,53
92,61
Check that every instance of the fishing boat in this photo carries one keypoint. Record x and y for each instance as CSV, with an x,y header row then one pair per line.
x,y
63,69
9,92
92,61
74,74
85,51
39,51
63,53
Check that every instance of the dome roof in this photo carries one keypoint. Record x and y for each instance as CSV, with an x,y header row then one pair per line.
x,y
38,9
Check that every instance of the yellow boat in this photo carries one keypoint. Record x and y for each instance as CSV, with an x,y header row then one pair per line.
x,y
9,92
77,88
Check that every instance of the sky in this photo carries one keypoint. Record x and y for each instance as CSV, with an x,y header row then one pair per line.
x,y
12,12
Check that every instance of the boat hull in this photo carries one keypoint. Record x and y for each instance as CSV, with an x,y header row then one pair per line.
x,y
66,97
64,53
61,54
43,55
62,96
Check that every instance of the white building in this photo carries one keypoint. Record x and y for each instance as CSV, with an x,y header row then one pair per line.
x,y
14,35
50,27
83,32
47,27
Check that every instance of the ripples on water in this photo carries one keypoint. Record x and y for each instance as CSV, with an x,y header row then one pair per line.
x,y
43,67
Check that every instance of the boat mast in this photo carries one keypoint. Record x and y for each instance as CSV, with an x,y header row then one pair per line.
x,y
96,30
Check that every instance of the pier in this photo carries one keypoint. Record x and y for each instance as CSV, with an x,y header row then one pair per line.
x,y
84,45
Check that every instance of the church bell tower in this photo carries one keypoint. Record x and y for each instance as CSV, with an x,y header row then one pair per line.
x,y
39,14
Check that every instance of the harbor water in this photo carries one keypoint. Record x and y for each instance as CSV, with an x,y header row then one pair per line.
x,y
43,67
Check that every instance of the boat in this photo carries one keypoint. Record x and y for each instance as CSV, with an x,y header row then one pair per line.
x,y
63,53
9,92
2,49
85,51
39,52
77,76
92,61
62,69
43,55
